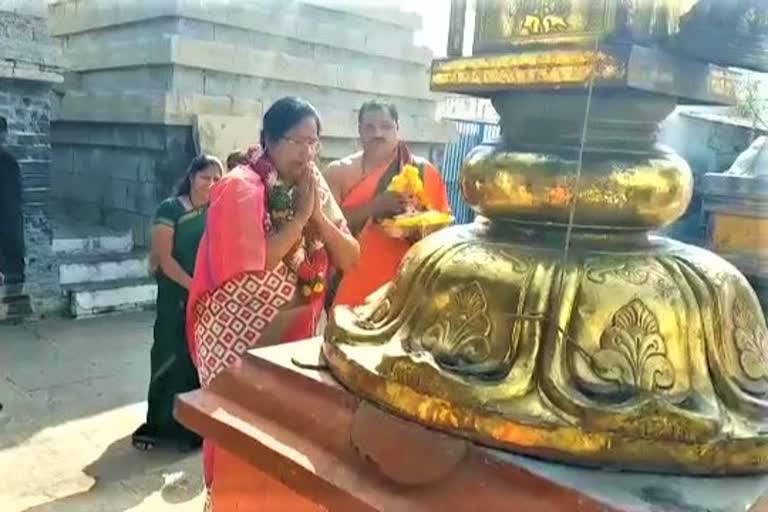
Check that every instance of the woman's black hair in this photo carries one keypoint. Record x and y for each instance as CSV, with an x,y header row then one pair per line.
x,y
283,115
196,166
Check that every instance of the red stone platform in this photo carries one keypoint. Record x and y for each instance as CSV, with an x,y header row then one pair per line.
x,y
292,439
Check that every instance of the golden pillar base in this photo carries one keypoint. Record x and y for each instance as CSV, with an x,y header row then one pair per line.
x,y
635,352
626,350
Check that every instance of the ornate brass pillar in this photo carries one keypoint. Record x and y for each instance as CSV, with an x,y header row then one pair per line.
x,y
630,351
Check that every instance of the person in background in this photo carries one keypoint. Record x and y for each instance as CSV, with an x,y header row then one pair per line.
x,y
236,158
178,226
359,183
273,231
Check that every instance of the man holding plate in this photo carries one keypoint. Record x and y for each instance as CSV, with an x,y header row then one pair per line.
x,y
390,199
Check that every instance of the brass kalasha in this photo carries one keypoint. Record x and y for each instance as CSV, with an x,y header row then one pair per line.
x,y
635,351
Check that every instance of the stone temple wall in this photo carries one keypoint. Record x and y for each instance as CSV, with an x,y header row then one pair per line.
x,y
144,71
29,66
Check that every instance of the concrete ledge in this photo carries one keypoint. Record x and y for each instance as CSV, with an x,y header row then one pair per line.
x,y
93,244
735,195
31,52
322,41
227,58
110,297
755,208
356,41
277,66
99,268
136,136
723,184
13,308
181,110
72,16
156,51
260,29
388,15
36,8
30,72
269,21
167,109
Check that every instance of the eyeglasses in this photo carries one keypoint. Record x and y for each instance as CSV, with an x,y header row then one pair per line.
x,y
311,144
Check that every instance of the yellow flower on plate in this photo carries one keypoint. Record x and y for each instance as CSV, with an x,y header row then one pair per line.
x,y
409,182
410,171
398,184
427,218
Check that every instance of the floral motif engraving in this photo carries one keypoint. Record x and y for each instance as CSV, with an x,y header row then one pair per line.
x,y
629,272
489,256
520,263
751,340
665,288
632,351
461,336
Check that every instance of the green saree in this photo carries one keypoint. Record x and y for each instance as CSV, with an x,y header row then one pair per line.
x,y
172,369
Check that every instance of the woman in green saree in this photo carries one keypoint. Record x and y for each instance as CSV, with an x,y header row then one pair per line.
x,y
178,226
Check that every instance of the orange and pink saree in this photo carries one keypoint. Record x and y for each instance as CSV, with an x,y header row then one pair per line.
x,y
236,303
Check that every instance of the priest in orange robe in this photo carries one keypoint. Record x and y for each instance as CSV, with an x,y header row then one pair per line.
x,y
359,183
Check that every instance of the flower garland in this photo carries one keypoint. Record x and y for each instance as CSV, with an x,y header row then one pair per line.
x,y
306,259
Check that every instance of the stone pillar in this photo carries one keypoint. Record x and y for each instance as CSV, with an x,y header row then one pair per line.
x,y
29,66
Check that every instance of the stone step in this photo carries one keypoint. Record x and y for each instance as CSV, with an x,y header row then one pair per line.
x,y
14,308
10,290
120,295
94,244
77,234
98,268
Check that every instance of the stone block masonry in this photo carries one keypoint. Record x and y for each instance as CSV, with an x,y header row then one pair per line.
x,y
26,108
29,65
152,66
116,174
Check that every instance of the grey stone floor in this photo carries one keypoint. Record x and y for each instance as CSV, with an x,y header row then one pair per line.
x,y
73,391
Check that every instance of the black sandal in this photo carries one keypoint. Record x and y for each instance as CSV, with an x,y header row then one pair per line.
x,y
143,439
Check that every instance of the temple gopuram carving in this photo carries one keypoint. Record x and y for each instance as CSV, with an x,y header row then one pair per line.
x,y
558,324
